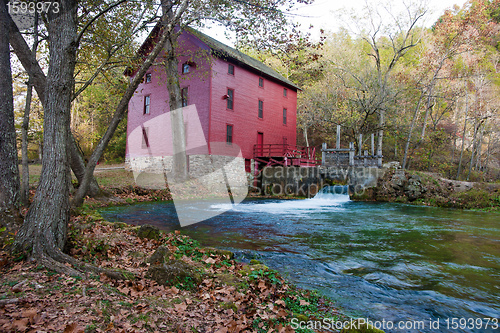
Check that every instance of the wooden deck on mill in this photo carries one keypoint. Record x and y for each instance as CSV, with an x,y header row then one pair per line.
x,y
285,155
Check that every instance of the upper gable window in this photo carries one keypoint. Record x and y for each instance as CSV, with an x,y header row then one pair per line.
x,y
148,77
186,68
230,69
261,82
285,92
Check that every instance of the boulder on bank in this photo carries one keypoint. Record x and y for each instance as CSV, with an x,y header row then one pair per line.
x,y
219,252
173,272
160,256
414,189
148,231
168,272
248,269
398,185
398,180
431,189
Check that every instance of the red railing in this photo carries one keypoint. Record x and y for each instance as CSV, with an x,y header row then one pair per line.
x,y
288,154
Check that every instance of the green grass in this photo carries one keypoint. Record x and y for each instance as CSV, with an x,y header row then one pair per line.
x,y
105,178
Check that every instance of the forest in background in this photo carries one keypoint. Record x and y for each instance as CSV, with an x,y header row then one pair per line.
x,y
437,88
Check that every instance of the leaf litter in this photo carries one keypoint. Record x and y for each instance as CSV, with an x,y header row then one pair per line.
x,y
232,297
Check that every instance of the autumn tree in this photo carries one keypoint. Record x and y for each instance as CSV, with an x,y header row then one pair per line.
x,y
9,171
44,228
254,23
386,51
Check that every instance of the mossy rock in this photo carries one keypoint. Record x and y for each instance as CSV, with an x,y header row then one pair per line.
x,y
160,256
228,279
224,253
360,327
255,262
366,195
148,231
247,269
121,225
173,272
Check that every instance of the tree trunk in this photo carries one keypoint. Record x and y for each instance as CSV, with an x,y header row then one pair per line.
x,y
179,169
463,137
476,128
44,228
412,126
9,170
78,166
381,124
305,136
121,109
30,64
429,94
487,154
479,150
25,186
427,111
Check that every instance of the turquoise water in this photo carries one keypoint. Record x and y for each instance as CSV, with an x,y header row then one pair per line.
x,y
381,261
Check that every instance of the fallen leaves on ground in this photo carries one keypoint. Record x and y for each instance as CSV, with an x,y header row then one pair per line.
x,y
43,301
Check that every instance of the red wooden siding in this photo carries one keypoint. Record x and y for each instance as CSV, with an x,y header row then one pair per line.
x,y
244,115
197,82
207,86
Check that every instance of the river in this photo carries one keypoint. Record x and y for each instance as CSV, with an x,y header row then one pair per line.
x,y
386,262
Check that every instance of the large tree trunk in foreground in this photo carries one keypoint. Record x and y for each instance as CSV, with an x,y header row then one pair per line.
x,y
44,228
9,171
30,64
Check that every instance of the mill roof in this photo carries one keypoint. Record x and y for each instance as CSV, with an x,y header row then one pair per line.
x,y
225,52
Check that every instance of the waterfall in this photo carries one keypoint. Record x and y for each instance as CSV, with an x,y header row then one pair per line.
x,y
339,193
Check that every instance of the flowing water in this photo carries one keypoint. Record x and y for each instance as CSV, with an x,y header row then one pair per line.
x,y
381,261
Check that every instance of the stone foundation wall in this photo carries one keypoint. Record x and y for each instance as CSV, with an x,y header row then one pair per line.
x,y
214,173
307,182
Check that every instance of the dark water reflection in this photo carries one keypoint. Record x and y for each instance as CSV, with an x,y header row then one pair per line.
x,y
381,261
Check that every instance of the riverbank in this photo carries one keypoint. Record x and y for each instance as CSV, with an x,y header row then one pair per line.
x,y
177,286
430,189
143,304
